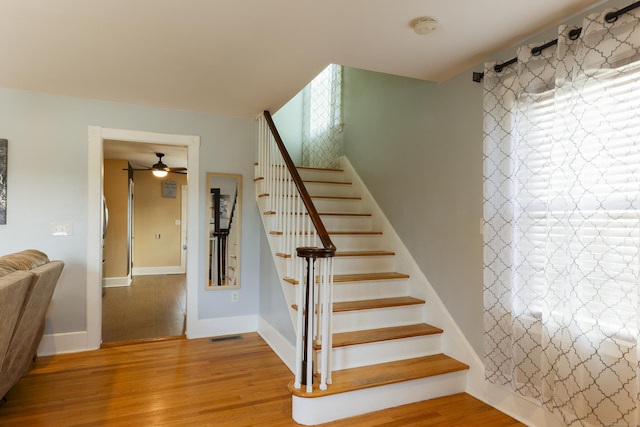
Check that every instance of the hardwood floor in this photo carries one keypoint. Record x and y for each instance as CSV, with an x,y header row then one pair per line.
x,y
233,382
152,307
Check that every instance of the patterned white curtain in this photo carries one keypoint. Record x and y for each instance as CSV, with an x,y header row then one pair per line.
x,y
322,119
562,223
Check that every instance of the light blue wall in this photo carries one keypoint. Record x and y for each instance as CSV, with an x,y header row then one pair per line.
x,y
273,305
288,120
47,182
418,148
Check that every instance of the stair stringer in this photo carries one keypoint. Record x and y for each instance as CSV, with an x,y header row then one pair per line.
x,y
453,341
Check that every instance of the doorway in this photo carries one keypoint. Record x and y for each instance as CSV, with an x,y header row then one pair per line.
x,y
97,135
152,307
144,252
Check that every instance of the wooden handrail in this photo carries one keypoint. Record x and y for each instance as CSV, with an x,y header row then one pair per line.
x,y
329,249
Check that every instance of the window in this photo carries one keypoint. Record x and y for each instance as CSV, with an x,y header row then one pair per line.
x,y
322,119
577,226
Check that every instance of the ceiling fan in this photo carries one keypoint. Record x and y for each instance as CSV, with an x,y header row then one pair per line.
x,y
160,169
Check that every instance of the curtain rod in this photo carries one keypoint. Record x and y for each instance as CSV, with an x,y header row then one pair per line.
x,y
610,17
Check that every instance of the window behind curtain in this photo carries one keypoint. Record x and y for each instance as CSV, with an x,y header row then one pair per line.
x,y
590,232
322,119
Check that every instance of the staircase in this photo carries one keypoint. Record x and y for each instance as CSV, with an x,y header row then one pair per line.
x,y
384,354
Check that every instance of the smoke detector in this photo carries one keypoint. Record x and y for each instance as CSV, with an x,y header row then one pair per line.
x,y
426,25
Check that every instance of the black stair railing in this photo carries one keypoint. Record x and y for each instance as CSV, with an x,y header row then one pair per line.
x,y
302,231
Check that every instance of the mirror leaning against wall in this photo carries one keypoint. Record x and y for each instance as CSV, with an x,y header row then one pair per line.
x,y
223,215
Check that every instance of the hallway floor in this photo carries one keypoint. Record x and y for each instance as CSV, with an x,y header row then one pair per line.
x,y
152,307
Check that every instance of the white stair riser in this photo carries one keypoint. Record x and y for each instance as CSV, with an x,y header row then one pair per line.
x,y
355,356
337,205
322,189
343,265
321,175
353,291
347,223
262,188
355,242
363,264
318,410
364,242
331,223
377,318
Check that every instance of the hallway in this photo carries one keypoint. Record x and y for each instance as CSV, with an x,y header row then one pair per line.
x,y
152,307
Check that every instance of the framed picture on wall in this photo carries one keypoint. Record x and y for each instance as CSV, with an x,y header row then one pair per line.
x,y
3,180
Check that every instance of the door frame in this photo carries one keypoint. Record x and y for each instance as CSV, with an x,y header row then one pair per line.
x,y
184,220
96,137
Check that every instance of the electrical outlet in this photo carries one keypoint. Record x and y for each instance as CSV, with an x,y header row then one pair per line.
x,y
61,229
234,296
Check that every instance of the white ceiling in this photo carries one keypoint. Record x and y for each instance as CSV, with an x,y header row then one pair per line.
x,y
239,57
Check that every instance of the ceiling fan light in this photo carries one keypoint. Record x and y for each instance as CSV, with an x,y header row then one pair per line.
x,y
160,173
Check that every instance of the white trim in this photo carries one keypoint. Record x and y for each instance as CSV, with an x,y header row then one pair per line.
x,y
184,200
522,409
285,350
94,238
203,328
96,135
69,342
148,271
116,282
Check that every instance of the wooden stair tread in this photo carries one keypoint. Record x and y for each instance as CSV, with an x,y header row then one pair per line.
x,y
370,304
364,253
358,277
355,233
323,213
344,214
312,168
317,197
340,233
337,197
350,254
383,374
383,334
317,181
320,169
356,198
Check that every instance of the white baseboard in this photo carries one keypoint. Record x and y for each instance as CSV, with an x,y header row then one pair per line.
x,y
522,409
149,271
116,282
203,328
285,350
68,342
